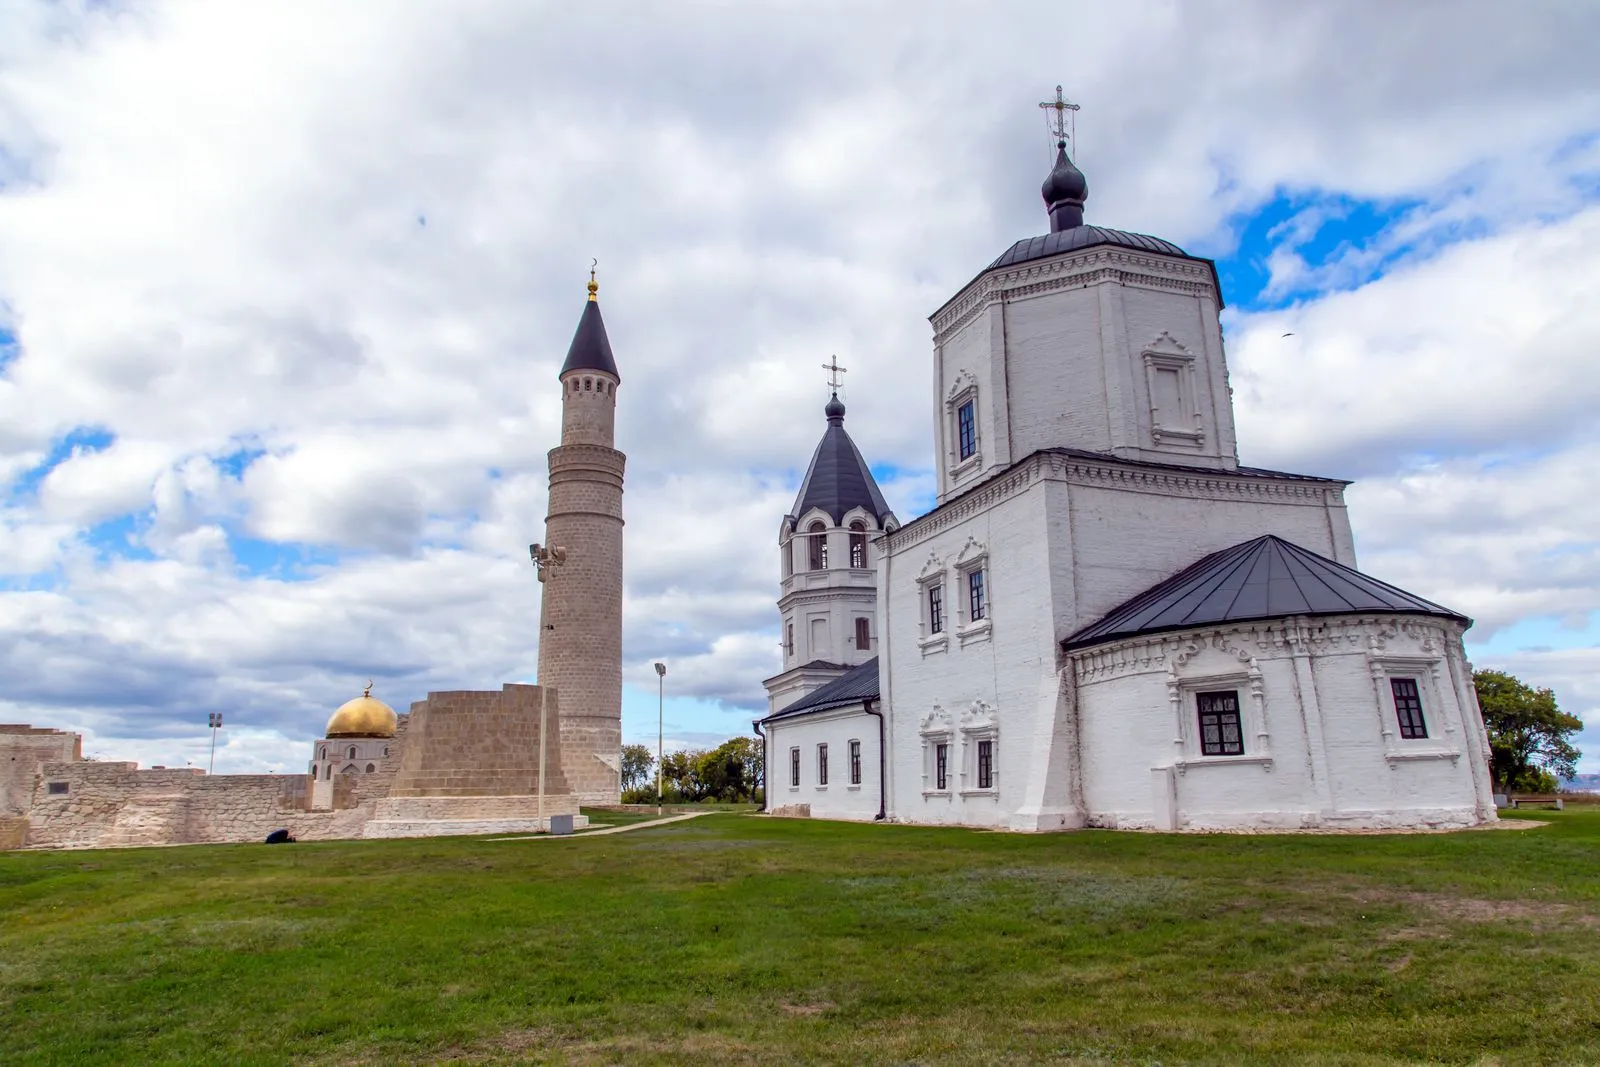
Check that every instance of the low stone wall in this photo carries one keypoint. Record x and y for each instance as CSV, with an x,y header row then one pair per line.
x,y
117,805
23,751
455,816
791,811
13,832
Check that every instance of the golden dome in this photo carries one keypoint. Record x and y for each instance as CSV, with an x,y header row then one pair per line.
x,y
362,717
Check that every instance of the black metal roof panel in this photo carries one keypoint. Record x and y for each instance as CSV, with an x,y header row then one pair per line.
x,y
838,478
1189,468
853,688
1266,578
1070,240
590,348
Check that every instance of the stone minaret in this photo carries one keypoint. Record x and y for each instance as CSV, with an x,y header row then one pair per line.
x,y
580,632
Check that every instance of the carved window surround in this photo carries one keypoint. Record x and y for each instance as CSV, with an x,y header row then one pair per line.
x,y
979,723
936,730
972,557
1428,671
962,392
1178,421
1183,696
932,576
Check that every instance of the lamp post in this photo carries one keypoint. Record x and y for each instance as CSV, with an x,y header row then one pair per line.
x,y
661,689
544,558
216,724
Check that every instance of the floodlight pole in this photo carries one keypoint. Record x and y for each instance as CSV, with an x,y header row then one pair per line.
x,y
661,689
216,724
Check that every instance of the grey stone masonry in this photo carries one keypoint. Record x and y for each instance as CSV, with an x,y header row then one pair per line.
x,y
467,743
580,634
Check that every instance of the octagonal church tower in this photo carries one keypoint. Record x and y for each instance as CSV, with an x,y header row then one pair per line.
x,y
580,622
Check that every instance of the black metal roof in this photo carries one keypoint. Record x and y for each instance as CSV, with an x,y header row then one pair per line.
x,y
1266,578
1070,240
838,478
590,348
860,684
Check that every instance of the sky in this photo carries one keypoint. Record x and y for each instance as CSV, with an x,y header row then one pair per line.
x,y
284,289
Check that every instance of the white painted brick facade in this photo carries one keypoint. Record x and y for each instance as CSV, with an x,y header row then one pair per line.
x,y
839,799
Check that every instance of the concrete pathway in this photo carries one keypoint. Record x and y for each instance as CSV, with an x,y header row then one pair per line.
x,y
606,830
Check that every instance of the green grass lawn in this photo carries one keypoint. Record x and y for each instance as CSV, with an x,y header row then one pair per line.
x,y
736,939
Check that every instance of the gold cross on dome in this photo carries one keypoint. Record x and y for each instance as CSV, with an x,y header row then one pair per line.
x,y
834,370
1058,121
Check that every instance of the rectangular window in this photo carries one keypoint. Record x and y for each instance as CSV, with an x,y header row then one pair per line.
x,y
941,766
1220,731
822,764
794,766
967,428
858,551
936,609
1408,706
975,601
986,764
855,763
819,551
863,633
56,789
788,643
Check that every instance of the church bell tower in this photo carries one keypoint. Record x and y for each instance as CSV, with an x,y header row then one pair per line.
x,y
580,621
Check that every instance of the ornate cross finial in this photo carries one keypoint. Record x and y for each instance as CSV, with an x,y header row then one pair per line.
x,y
834,370
1062,129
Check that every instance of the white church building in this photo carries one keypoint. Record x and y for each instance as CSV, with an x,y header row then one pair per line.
x,y
1106,620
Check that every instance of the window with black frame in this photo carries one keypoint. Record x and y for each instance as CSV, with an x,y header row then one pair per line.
x,y
967,428
941,766
822,764
855,762
1408,707
986,763
936,609
794,767
1221,732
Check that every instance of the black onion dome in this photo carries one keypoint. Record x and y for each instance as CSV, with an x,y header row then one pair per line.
x,y
1066,181
590,348
834,409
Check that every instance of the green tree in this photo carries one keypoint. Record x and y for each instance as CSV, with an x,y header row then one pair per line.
x,y
1527,732
638,766
725,772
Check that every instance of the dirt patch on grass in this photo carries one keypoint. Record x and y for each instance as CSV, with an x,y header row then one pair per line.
x,y
814,1008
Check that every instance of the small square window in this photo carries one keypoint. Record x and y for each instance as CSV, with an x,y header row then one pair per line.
x,y
1221,733
986,763
936,609
56,789
855,763
941,766
967,428
977,605
822,764
794,766
1408,707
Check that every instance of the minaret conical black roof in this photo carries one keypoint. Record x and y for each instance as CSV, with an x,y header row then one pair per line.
x,y
838,478
591,348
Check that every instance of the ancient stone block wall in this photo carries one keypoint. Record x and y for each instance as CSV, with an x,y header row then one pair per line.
x,y
467,743
117,805
13,832
23,751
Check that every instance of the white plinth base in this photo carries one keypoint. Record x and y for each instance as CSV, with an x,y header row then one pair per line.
x,y
461,827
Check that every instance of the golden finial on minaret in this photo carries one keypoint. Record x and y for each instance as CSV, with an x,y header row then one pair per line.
x,y
594,286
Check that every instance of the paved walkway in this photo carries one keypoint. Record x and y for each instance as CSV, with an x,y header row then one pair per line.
x,y
606,830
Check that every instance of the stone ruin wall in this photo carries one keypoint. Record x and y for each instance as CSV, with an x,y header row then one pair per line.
x,y
25,749
117,805
479,743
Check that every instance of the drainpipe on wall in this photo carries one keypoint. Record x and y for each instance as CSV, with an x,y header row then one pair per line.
x,y
883,778
766,779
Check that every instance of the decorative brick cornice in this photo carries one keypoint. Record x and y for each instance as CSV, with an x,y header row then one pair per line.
x,y
1201,483
1270,638
1090,266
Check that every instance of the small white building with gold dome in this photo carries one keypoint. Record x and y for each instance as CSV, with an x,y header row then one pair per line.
x,y
359,739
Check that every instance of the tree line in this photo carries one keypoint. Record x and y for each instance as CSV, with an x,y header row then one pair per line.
x,y
730,773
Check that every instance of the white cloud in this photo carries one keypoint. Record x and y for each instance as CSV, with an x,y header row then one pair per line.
x,y
312,269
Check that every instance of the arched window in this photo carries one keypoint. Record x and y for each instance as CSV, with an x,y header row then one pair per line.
x,y
313,772
858,544
385,750
371,768
819,546
352,753
324,754
787,552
